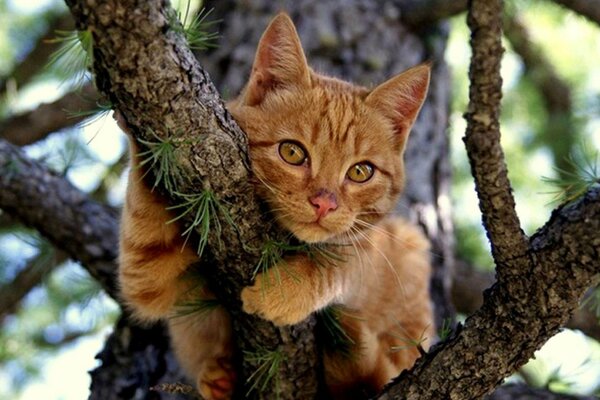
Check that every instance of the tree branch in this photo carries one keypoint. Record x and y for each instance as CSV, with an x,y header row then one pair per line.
x,y
587,8
468,286
85,230
171,97
32,126
539,281
419,13
482,137
517,316
11,293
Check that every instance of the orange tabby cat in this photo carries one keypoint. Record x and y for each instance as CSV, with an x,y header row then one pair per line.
x,y
327,156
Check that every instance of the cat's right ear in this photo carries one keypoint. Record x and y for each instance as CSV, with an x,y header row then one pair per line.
x,y
279,61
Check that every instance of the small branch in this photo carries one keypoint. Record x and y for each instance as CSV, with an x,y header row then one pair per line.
x,y
35,125
482,137
11,293
419,13
586,8
85,230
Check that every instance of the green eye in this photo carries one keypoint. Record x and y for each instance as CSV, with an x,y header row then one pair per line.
x,y
360,172
292,153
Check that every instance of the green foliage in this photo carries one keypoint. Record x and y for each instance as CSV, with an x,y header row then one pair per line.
x,y
572,184
332,334
196,28
74,57
102,110
160,159
206,210
445,330
268,363
200,307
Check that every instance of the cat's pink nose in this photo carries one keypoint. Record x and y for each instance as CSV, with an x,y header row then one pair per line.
x,y
324,202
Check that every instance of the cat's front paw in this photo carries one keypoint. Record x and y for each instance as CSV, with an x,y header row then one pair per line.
x,y
275,302
216,380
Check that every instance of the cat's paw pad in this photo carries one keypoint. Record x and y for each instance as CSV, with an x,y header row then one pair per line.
x,y
216,380
272,305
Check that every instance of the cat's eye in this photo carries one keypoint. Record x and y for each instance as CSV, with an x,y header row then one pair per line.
x,y
292,153
360,172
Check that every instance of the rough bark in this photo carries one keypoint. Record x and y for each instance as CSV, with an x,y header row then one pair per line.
x,y
84,229
518,315
32,126
169,96
469,284
482,138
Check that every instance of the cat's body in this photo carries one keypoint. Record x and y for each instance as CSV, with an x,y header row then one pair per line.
x,y
327,156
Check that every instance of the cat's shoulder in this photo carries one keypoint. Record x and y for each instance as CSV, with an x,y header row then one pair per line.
x,y
405,233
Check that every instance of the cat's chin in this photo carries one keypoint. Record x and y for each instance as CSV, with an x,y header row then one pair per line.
x,y
312,233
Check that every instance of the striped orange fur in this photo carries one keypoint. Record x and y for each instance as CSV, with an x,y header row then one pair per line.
x,y
339,134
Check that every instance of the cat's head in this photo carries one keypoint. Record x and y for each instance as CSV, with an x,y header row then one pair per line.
x,y
328,155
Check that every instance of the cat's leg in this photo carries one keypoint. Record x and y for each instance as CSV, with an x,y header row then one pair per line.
x,y
290,291
202,343
152,256
361,371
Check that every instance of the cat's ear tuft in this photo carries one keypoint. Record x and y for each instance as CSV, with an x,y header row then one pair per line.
x,y
401,97
279,61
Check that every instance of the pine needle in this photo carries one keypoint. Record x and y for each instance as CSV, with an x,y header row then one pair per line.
x,y
160,158
334,336
74,57
200,307
584,175
198,31
97,113
268,363
206,210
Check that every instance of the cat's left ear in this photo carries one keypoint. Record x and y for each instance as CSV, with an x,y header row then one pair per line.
x,y
401,97
279,62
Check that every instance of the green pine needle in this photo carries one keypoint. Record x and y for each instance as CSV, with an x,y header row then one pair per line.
x,y
198,32
323,255
585,174
410,342
446,329
267,364
334,336
74,57
271,257
97,113
592,302
206,209
200,307
160,157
